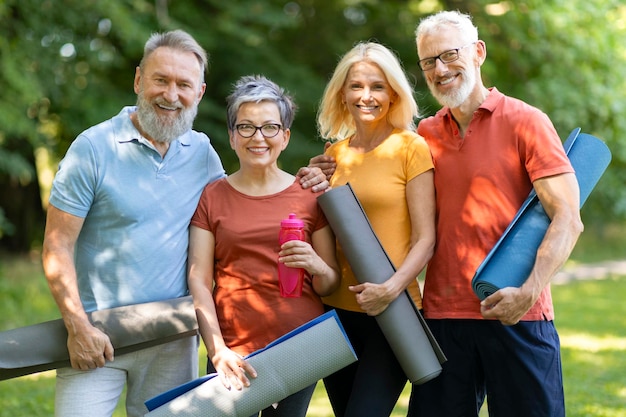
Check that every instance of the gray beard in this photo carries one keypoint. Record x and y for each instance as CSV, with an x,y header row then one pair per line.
x,y
456,98
164,129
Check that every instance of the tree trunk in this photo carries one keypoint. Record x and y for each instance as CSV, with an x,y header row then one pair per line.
x,y
22,207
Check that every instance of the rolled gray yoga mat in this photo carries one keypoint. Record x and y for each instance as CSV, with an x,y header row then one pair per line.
x,y
402,324
43,346
291,363
512,258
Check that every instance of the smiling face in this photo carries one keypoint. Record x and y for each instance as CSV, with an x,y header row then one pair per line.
x,y
366,93
168,88
258,151
453,83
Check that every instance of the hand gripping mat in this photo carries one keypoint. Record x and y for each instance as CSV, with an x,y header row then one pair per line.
x,y
43,346
402,324
289,364
510,261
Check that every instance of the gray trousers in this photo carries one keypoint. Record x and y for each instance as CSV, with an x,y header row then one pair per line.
x,y
145,373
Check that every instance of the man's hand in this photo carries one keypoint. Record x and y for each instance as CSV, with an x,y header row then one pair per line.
x,y
324,162
312,177
89,348
507,305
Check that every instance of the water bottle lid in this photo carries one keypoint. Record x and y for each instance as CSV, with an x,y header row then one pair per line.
x,y
292,221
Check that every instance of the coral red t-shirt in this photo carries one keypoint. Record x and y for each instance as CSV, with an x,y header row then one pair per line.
x,y
249,307
481,181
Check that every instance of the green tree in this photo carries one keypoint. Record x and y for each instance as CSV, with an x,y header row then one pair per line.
x,y
566,58
68,64
59,59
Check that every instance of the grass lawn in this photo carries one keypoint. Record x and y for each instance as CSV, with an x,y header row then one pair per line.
x,y
591,318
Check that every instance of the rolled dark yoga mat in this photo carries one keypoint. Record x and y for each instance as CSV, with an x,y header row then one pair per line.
x,y
402,324
511,260
43,346
289,364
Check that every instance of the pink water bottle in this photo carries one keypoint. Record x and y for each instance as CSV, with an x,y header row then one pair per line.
x,y
290,279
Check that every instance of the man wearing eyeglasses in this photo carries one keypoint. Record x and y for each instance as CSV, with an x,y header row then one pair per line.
x,y
489,151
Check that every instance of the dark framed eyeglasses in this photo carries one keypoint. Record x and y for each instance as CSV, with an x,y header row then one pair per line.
x,y
446,57
248,130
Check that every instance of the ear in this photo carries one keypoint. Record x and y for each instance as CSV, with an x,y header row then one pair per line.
x,y
137,82
481,52
231,139
286,137
201,93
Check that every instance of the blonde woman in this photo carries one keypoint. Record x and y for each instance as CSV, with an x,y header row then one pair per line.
x,y
368,111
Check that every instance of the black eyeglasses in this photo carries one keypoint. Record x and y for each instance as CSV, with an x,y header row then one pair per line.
x,y
446,57
268,130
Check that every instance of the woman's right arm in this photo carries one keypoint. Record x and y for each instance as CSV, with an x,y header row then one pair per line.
x,y
230,366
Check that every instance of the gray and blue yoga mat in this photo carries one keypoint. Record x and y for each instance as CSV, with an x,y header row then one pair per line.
x,y
511,260
291,363
402,324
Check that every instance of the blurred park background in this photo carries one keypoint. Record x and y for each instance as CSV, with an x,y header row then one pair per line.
x,y
68,64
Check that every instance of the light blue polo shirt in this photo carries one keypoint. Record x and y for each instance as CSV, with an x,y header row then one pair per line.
x,y
137,206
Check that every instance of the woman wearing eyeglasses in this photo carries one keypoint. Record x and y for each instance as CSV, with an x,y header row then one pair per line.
x,y
368,110
234,250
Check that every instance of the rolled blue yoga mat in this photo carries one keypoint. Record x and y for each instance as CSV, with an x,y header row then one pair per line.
x,y
402,324
291,363
41,347
511,260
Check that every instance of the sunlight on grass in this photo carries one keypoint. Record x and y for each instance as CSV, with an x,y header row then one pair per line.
x,y
592,343
319,406
602,410
590,317
40,376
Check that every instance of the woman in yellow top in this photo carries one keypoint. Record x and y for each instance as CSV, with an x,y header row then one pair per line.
x,y
368,111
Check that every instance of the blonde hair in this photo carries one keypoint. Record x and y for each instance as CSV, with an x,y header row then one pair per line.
x,y
335,122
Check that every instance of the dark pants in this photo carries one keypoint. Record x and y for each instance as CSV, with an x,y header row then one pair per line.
x,y
296,405
517,367
372,385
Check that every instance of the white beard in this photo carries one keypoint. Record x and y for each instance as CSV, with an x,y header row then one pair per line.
x,y
455,98
164,129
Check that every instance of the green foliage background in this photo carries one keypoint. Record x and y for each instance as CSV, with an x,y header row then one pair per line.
x,y
68,64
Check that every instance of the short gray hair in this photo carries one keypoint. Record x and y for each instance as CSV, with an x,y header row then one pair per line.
x,y
461,21
255,89
178,40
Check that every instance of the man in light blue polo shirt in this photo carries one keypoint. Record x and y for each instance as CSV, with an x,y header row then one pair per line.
x,y
117,229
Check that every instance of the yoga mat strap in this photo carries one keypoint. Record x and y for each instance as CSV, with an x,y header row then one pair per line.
x,y
512,258
43,346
